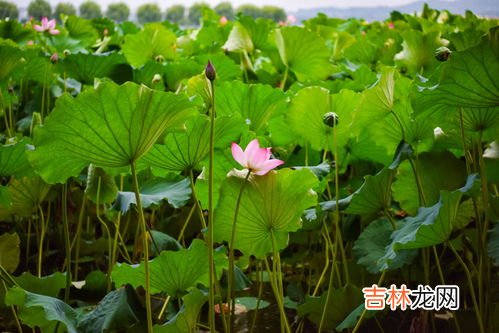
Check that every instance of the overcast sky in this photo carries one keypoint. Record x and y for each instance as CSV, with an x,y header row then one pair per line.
x,y
289,5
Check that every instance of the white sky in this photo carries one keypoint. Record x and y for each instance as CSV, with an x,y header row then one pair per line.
x,y
290,5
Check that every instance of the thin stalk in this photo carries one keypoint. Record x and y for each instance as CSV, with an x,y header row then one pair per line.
x,y
442,281
109,245
67,241
259,275
14,312
326,265
163,308
76,239
273,284
196,201
182,231
284,78
40,243
211,175
484,267
145,246
472,289
361,318
28,243
230,281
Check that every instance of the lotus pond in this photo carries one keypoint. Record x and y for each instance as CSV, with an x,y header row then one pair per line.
x,y
245,176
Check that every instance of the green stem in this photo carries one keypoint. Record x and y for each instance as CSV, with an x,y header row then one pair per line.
x,y
14,312
359,322
196,201
40,243
77,238
470,284
259,275
67,240
211,175
145,245
187,220
275,287
284,78
230,281
442,281
108,233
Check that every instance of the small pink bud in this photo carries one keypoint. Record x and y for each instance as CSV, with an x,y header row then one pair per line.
x,y
223,20
54,57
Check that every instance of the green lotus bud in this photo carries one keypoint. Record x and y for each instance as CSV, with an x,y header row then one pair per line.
x,y
210,72
66,52
442,53
156,79
330,119
159,58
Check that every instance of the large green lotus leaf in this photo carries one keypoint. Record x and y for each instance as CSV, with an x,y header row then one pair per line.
x,y
38,67
306,116
86,67
364,147
9,251
186,318
466,80
271,206
185,150
49,285
341,303
304,53
256,103
239,40
436,170
27,193
258,30
116,312
15,30
14,161
431,226
177,193
377,101
224,162
81,30
11,59
42,311
180,70
172,272
493,245
111,126
100,186
5,202
374,195
418,53
371,245
152,41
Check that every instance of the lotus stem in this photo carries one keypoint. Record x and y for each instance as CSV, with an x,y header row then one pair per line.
x,y
67,241
230,282
145,245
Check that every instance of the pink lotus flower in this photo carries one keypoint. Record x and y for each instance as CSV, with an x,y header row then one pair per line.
x,y
255,159
223,20
391,25
47,26
291,19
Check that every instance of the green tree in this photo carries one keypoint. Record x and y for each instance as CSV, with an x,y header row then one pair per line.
x,y
175,13
274,13
250,10
65,8
118,11
148,12
39,8
8,10
90,10
196,12
225,9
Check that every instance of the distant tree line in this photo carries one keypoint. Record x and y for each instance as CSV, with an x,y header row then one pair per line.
x,y
145,13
